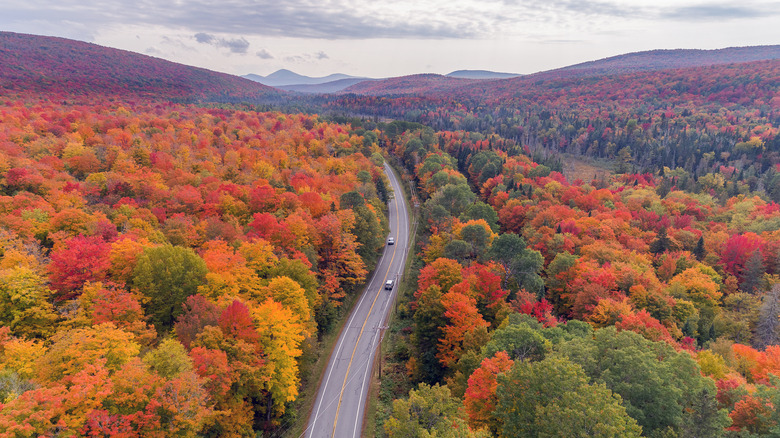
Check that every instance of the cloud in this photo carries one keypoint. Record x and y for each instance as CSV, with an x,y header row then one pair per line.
x,y
204,38
264,54
561,41
603,8
306,57
239,45
719,12
335,19
367,19
235,45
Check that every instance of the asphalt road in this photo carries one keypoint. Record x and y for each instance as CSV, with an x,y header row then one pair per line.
x,y
341,398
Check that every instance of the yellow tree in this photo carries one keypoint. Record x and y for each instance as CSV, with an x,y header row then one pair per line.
x,y
24,305
291,295
73,350
259,255
281,337
228,272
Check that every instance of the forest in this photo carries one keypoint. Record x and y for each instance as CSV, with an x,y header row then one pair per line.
x,y
524,275
165,267
174,250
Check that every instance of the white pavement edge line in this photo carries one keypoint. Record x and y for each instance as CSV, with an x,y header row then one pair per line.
x,y
339,347
385,311
349,323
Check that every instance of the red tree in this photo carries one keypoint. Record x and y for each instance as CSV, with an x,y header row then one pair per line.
x,y
79,260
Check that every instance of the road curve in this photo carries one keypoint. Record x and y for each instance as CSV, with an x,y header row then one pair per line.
x,y
341,398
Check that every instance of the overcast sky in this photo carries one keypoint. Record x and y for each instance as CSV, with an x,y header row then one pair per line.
x,y
393,38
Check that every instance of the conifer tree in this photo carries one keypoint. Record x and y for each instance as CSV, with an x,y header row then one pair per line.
x,y
768,326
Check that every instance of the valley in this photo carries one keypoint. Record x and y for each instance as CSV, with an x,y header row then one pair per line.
x,y
593,250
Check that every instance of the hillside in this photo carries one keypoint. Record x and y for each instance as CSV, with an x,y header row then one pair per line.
x,y
668,59
326,87
284,77
508,85
480,74
407,85
59,66
721,82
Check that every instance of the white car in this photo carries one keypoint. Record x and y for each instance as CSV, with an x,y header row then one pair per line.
x,y
389,284
391,241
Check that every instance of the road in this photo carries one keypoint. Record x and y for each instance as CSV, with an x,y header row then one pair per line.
x,y
341,398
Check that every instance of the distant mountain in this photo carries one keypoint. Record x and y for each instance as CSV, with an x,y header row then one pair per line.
x,y
404,85
325,88
475,86
667,59
67,67
284,77
480,74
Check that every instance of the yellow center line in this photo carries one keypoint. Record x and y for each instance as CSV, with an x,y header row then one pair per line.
x,y
349,366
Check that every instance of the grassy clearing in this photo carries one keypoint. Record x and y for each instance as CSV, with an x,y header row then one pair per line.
x,y
585,168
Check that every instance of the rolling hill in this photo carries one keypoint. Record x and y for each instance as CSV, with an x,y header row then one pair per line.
x,y
668,59
285,78
655,60
406,85
325,88
290,81
480,74
32,63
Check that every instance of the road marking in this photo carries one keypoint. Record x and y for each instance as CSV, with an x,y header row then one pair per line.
x,y
346,327
343,385
338,348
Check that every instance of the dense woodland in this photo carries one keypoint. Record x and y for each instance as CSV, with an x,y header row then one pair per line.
x,y
697,119
652,297
167,269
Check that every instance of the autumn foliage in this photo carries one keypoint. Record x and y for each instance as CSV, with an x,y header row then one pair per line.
x,y
165,266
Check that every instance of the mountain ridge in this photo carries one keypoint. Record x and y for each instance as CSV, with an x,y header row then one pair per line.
x,y
652,60
64,66
284,77
661,59
480,74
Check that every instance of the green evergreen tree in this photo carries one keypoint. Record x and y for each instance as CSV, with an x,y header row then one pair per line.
x,y
661,243
768,326
699,252
753,275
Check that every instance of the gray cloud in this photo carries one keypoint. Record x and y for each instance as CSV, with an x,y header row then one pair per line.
x,y
360,19
321,55
238,45
718,11
204,38
603,8
264,54
561,41
336,19
235,45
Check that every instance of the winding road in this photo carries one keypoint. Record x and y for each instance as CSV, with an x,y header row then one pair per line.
x,y
341,398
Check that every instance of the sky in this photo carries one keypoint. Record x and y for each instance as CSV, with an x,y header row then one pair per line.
x,y
393,38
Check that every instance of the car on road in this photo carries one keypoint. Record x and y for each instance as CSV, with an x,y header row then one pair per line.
x,y
391,240
389,284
